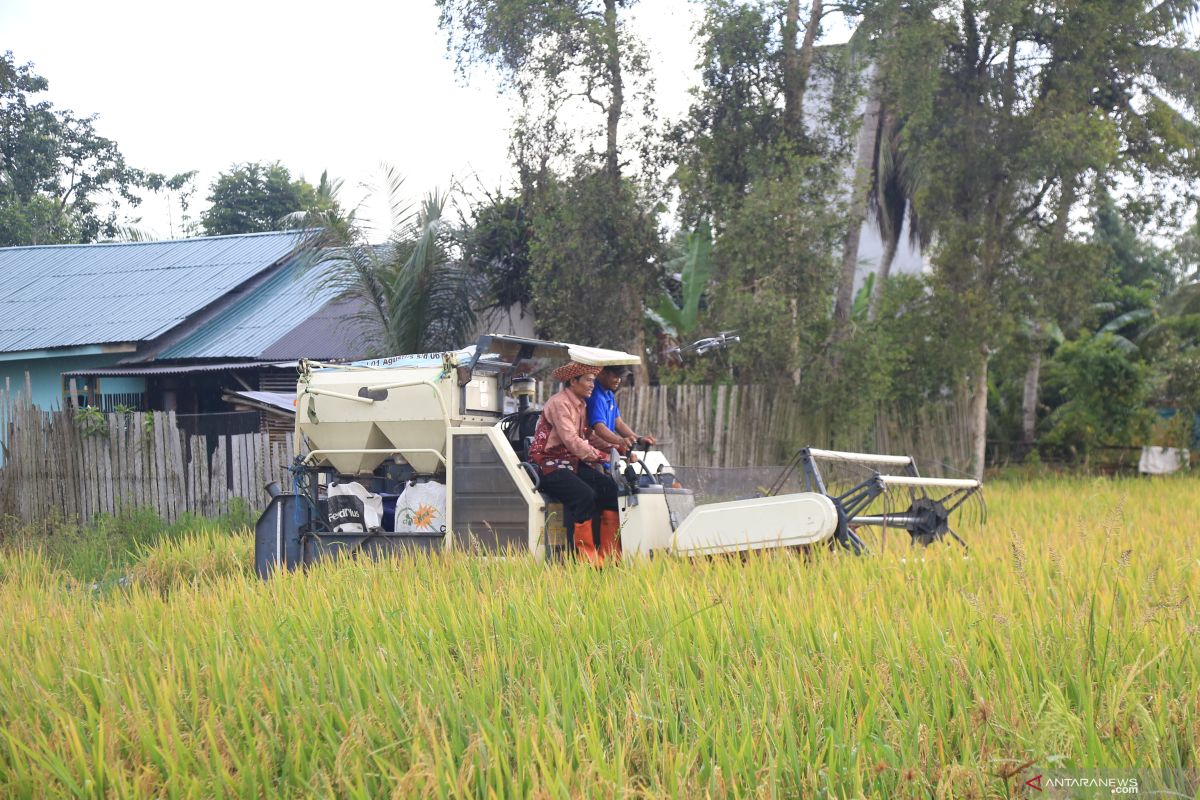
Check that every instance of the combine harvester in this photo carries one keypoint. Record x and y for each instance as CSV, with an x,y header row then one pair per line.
x,y
420,452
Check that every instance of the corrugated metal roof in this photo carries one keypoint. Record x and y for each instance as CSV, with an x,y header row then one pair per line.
x,y
172,369
69,295
334,333
277,400
258,321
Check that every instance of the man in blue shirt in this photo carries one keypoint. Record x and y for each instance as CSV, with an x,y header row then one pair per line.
x,y
608,430
604,418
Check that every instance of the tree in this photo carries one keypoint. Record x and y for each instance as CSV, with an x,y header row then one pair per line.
x,y
768,176
757,67
561,51
860,194
255,197
592,259
60,180
775,265
178,191
1007,127
498,245
416,292
588,229
1104,392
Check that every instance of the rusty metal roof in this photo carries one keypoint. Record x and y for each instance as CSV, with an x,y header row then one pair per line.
x,y
71,295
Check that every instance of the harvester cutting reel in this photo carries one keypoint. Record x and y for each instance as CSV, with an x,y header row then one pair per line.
x,y
864,495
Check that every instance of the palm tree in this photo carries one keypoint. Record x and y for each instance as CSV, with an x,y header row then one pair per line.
x,y
886,177
413,292
897,177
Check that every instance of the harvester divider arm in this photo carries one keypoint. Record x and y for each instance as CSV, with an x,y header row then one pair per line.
x,y
860,496
339,395
786,473
943,483
866,458
958,496
317,454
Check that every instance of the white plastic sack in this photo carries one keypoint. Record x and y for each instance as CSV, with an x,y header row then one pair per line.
x,y
352,509
1161,460
421,508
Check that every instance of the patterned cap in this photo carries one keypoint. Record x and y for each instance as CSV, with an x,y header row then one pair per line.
x,y
573,369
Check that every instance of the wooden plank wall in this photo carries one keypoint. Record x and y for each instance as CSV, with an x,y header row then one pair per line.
x,y
745,426
52,465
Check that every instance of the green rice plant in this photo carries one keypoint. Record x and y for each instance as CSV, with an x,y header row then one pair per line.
x,y
196,558
1064,637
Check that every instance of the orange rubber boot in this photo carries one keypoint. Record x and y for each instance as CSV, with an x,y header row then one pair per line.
x,y
585,545
610,545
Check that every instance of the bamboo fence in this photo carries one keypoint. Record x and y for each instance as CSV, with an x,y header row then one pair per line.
x,y
80,466
55,463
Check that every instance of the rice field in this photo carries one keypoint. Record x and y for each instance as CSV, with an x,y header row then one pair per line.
x,y
1066,639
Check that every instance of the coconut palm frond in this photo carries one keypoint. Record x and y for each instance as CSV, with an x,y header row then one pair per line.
x,y
897,179
1175,70
431,291
450,307
880,199
399,208
1126,319
131,233
357,272
1183,301
413,293
1170,14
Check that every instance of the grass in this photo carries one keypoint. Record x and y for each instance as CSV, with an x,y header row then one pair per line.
x,y
100,553
1065,639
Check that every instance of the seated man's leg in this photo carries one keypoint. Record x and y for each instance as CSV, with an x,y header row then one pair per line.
x,y
579,501
606,521
602,484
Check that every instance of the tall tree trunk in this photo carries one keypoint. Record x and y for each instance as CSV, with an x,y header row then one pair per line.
x,y
612,166
793,114
616,84
797,64
1030,396
979,398
864,159
881,276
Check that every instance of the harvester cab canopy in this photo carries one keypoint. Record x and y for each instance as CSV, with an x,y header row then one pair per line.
x,y
523,356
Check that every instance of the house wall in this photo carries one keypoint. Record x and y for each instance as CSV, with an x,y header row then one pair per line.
x,y
908,260
46,376
515,321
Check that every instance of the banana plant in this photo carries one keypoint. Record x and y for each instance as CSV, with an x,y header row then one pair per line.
x,y
680,320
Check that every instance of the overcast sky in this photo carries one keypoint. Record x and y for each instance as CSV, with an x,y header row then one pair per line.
x,y
316,86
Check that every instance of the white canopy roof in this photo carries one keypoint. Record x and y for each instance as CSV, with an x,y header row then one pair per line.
x,y
599,357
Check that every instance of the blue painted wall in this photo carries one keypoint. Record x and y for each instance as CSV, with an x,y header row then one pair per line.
x,y
46,376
